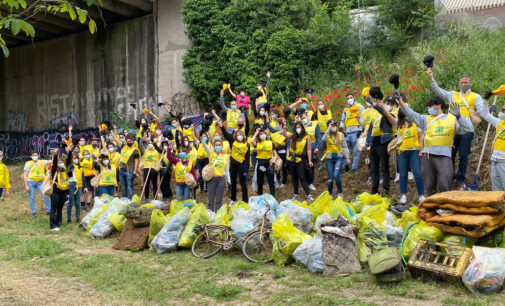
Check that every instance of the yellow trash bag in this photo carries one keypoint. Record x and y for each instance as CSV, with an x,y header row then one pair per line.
x,y
147,206
367,199
376,212
135,199
283,228
319,205
118,221
408,217
222,216
337,208
158,220
175,207
371,237
199,218
279,250
355,206
418,232
94,219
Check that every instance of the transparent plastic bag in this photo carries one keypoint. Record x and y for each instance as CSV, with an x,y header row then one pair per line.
x,y
103,227
310,254
260,202
97,208
158,220
301,217
485,273
371,236
168,237
244,220
321,219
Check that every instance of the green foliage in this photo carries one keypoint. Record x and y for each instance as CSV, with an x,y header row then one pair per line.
x,y
16,19
239,41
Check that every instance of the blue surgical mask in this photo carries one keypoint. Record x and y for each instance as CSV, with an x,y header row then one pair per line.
x,y
216,138
432,111
182,155
219,148
86,156
233,107
174,125
205,139
303,106
111,138
186,126
273,116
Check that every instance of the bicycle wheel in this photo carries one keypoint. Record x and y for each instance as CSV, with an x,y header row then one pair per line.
x,y
258,247
209,242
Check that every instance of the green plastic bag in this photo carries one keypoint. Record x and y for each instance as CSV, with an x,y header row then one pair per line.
x,y
408,217
158,220
418,232
280,252
199,218
337,208
118,220
460,240
371,237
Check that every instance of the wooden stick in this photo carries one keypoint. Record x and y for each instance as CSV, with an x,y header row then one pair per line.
x,y
485,142
145,183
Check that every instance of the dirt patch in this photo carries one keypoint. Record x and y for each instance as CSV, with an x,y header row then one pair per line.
x,y
132,238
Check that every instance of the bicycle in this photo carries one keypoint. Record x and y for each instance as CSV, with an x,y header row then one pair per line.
x,y
256,244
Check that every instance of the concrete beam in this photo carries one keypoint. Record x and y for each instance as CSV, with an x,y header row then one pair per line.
x,y
144,5
20,36
61,22
118,8
11,42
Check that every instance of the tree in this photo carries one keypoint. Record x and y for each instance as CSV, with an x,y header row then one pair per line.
x,y
19,14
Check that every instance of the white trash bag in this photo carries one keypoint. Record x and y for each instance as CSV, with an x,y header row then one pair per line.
x,y
168,237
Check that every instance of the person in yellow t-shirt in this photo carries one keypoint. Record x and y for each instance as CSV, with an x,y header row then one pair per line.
x,y
75,179
182,166
220,162
202,160
34,175
4,178
59,196
88,171
107,172
151,154
336,153
266,154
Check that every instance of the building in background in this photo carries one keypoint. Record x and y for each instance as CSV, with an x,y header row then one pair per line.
x,y
488,13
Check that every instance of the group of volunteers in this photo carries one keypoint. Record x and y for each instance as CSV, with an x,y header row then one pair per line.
x,y
249,142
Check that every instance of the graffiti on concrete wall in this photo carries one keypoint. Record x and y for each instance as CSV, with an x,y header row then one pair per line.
x,y
16,121
185,104
63,121
17,145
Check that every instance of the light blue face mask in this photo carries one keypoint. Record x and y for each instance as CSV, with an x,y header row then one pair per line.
x,y
216,138
205,139
303,106
273,117
432,111
233,107
219,148
182,155
186,126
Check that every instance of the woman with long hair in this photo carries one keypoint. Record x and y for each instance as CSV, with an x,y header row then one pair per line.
x,y
300,157
60,190
202,159
266,154
220,163
336,149
107,171
75,179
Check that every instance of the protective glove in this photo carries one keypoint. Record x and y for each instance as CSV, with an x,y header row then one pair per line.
x,y
455,110
488,95
493,108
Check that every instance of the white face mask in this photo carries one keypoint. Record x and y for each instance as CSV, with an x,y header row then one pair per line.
x,y
304,120
240,137
186,143
111,150
501,116
35,158
158,132
82,143
262,113
298,130
388,107
321,107
165,148
263,136
106,162
1,158
61,165
150,146
333,129
75,160
350,102
260,87
242,93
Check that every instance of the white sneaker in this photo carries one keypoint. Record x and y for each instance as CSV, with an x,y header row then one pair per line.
x,y
341,195
294,198
282,186
403,199
381,181
411,176
369,181
397,177
310,198
421,198
232,203
312,187
56,229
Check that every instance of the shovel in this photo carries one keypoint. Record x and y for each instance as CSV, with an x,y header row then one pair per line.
x,y
474,185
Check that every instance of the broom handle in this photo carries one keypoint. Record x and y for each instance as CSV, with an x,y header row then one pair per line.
x,y
159,185
485,142
145,183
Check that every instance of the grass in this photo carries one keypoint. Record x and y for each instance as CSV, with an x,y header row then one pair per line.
x,y
70,257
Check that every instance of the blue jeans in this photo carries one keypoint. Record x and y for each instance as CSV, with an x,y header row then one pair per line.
x,y
334,166
182,192
1,191
352,144
462,144
126,178
410,160
73,199
105,190
47,201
